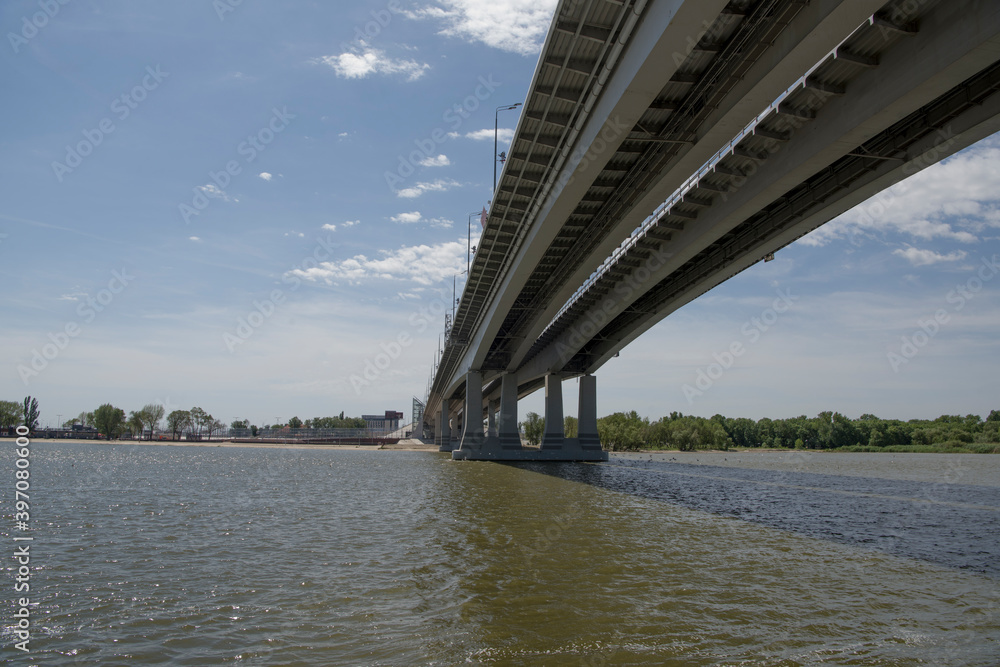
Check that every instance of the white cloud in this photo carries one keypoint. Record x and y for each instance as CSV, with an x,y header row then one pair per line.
x,y
266,176
518,26
439,161
194,238
210,190
953,200
329,227
367,60
918,257
407,218
350,223
415,217
440,185
421,264
504,135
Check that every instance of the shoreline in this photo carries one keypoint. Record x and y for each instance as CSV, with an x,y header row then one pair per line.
x,y
413,446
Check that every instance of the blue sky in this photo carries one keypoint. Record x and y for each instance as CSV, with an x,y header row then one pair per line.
x,y
241,206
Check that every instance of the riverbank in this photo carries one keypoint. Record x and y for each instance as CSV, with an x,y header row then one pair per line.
x,y
402,445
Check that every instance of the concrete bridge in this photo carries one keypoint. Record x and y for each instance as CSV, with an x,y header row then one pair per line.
x,y
667,145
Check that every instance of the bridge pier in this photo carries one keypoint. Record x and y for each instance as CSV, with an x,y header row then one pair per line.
x,y
443,430
505,445
491,426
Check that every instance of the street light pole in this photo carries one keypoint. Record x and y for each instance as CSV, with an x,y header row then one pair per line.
x,y
468,250
496,121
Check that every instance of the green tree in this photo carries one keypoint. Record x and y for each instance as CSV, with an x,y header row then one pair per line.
x,y
199,418
533,428
240,423
29,412
295,422
571,427
177,420
109,420
136,422
152,414
10,414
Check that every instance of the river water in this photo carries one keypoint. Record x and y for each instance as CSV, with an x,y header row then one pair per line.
x,y
204,555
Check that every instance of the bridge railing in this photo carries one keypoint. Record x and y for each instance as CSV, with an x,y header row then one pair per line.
x,y
689,184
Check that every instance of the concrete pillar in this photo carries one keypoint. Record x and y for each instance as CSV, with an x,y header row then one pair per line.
x,y
510,437
472,434
491,430
554,434
587,414
444,429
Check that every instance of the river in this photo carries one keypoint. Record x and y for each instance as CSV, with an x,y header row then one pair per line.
x,y
228,555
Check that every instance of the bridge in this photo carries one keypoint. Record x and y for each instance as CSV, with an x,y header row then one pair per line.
x,y
667,145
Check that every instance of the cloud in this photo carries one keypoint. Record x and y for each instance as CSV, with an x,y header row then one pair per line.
x,y
350,223
407,218
518,26
415,217
367,60
266,176
440,185
421,264
504,135
329,227
194,238
210,190
439,161
918,257
955,200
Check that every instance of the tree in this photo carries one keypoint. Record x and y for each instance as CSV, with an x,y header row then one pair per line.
x,y
571,427
177,420
240,424
213,425
295,422
10,413
199,418
533,428
29,412
153,413
109,420
135,423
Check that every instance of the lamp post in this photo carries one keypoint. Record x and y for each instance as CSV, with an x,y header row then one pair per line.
x,y
496,120
468,250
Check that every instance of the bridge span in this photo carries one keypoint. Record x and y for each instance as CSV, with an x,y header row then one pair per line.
x,y
667,145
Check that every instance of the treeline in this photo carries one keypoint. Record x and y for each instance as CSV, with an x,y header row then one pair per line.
x,y
828,430
113,423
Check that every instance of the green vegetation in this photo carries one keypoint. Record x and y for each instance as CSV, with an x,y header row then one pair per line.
x,y
30,412
533,427
828,430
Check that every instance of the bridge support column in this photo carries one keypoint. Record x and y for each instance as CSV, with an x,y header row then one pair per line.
x,y
491,429
554,433
472,434
587,414
443,429
509,434
504,441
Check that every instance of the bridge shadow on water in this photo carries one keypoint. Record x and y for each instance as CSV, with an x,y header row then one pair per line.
x,y
954,525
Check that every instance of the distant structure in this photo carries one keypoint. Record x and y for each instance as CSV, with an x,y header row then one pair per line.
x,y
387,422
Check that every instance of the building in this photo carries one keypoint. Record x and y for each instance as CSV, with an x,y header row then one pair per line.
x,y
386,423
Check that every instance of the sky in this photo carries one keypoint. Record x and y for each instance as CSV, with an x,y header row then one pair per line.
x,y
263,209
